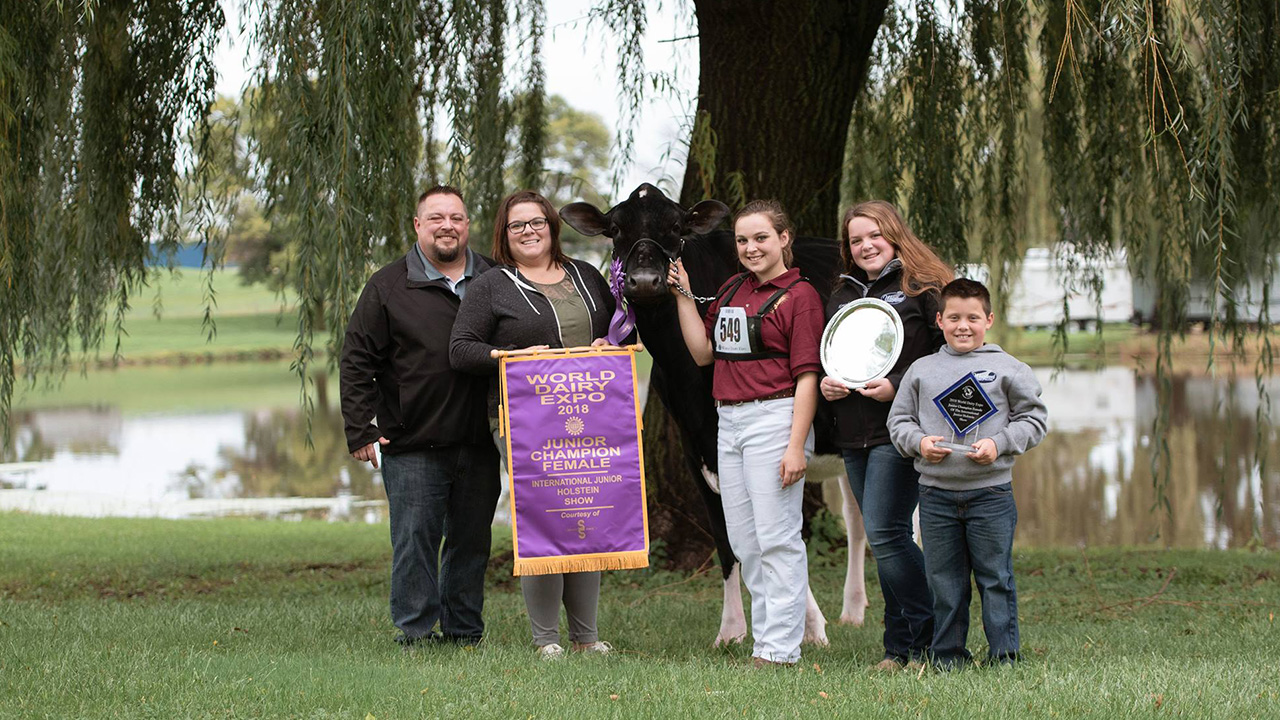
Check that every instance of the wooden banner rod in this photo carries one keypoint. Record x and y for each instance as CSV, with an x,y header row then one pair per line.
x,y
580,350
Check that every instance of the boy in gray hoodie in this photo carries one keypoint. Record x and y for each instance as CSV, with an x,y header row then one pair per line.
x,y
964,413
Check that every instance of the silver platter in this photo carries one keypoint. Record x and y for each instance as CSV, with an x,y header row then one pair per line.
x,y
861,342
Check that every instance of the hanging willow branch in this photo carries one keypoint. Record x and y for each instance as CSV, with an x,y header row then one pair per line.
x,y
1148,126
626,19
96,104
338,139
872,167
998,31
934,89
490,117
346,92
531,109
1158,128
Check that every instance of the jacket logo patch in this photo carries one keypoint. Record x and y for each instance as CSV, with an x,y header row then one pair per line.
x,y
985,376
894,298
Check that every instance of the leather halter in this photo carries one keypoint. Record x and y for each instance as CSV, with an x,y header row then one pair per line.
x,y
671,257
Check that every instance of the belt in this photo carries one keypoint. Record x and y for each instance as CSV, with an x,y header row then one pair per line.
x,y
789,392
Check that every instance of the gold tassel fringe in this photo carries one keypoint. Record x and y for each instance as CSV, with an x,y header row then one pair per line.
x,y
571,564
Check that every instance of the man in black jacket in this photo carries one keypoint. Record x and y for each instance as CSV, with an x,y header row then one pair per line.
x,y
400,397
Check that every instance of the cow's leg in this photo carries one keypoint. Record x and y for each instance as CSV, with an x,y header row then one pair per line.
x,y
733,621
855,581
815,623
733,618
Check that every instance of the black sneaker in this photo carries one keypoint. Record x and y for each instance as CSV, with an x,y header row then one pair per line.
x,y
462,641
408,642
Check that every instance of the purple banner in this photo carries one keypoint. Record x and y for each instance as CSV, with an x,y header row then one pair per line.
x,y
577,475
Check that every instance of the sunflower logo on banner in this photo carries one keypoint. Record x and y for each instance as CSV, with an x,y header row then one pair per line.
x,y
571,420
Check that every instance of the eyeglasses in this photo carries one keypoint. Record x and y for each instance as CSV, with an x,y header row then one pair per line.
x,y
517,227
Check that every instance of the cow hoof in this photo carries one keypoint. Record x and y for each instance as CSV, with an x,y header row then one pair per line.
x,y
855,612
727,640
855,618
818,639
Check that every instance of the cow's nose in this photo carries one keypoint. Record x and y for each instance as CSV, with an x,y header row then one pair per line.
x,y
643,283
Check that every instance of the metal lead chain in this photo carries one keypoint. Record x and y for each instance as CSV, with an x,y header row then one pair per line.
x,y
680,289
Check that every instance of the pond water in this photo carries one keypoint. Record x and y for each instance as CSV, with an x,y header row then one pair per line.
x,y
203,441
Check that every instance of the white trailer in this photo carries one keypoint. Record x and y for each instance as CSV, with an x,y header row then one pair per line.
x,y
1036,297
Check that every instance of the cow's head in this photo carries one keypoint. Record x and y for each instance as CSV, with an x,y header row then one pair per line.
x,y
648,231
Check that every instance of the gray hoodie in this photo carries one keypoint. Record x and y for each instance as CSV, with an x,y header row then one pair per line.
x,y
507,312
1018,425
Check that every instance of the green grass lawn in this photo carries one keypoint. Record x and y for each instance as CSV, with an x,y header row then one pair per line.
x,y
174,388
250,320
237,618
252,323
182,294
256,323
1038,347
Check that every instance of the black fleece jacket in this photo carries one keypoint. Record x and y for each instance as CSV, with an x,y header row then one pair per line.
x,y
862,422
505,311
395,364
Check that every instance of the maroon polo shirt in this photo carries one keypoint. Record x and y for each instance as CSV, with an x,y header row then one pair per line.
x,y
793,326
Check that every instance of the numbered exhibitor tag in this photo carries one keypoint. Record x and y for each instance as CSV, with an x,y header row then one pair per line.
x,y
731,335
965,405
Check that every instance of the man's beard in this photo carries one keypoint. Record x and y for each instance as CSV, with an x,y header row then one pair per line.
x,y
445,255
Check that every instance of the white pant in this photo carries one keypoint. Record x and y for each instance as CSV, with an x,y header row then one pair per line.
x,y
764,520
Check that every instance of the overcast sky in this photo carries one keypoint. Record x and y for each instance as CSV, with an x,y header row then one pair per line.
x,y
581,67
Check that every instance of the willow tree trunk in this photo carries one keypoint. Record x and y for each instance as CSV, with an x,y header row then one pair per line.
x,y
777,86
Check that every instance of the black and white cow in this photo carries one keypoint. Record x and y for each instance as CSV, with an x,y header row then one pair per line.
x,y
648,231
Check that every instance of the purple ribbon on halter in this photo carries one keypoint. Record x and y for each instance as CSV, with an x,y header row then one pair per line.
x,y
624,316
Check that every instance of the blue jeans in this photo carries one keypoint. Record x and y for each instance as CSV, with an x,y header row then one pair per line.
x,y
884,484
446,496
970,531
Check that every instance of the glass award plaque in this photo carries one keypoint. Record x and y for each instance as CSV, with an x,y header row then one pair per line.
x,y
964,405
861,342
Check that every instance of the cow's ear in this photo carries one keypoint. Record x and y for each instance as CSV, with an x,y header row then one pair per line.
x,y
704,217
586,219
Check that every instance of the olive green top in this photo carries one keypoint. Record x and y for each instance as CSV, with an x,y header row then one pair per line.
x,y
571,310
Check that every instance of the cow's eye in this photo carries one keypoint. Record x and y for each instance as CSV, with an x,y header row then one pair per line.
x,y
676,228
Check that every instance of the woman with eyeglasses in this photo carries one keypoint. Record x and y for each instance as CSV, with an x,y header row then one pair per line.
x,y
536,298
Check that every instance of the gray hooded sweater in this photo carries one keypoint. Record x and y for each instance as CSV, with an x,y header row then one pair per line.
x,y
506,312
1018,425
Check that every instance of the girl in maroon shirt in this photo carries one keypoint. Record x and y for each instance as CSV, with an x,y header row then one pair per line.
x,y
762,333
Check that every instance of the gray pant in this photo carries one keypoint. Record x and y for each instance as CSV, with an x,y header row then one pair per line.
x,y
580,593
543,594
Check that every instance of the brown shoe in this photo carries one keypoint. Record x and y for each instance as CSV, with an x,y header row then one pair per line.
x,y
889,665
760,663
